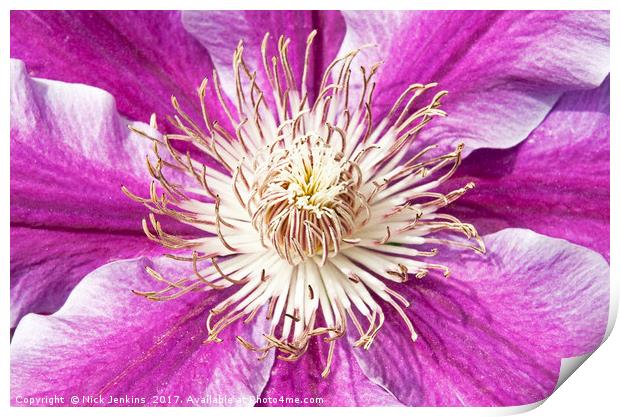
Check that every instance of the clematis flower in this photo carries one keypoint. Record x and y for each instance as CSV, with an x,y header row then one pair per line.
x,y
309,232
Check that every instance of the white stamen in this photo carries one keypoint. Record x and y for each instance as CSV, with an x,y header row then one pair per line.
x,y
314,212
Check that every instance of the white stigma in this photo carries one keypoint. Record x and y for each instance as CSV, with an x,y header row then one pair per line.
x,y
308,198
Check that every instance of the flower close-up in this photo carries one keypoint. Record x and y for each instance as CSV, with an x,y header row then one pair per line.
x,y
306,208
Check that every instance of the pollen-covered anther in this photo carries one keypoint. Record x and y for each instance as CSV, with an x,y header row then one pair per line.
x,y
307,210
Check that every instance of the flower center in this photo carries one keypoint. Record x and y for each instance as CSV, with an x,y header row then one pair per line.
x,y
317,214
308,198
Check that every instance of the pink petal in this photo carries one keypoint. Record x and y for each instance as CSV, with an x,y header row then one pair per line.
x,y
345,386
46,264
494,332
504,70
556,182
140,57
70,153
108,341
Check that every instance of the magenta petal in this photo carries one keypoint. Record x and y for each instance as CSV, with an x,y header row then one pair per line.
x,y
140,57
495,331
221,31
70,153
556,182
46,264
345,386
504,70
108,341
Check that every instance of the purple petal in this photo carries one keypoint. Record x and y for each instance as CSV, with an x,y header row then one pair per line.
x,y
345,386
504,70
221,31
556,182
494,333
70,153
46,264
140,57
108,341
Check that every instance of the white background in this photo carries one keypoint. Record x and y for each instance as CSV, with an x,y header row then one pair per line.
x,y
593,390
